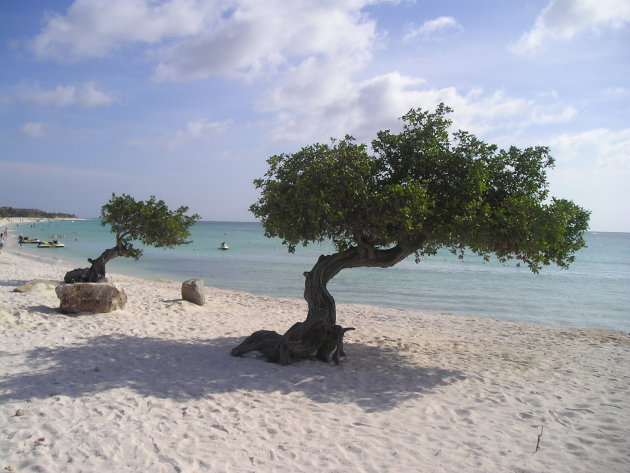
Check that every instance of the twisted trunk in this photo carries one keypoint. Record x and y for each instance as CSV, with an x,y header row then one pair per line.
x,y
96,272
318,336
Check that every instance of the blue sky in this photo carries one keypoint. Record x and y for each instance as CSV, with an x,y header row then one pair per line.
x,y
186,99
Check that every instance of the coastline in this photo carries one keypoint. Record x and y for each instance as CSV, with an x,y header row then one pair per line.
x,y
13,220
592,294
153,388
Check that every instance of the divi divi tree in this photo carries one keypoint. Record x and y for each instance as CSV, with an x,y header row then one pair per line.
x,y
149,222
412,192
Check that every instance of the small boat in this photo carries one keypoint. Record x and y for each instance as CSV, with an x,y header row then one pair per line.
x,y
224,246
50,244
30,240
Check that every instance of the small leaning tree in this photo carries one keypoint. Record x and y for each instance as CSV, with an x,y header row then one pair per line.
x,y
151,223
422,189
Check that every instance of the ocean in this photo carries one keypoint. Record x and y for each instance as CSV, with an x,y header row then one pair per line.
x,y
594,292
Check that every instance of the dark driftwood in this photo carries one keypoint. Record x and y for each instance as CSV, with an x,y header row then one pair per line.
x,y
318,337
96,272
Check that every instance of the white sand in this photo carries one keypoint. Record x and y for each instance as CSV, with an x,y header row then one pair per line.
x,y
152,388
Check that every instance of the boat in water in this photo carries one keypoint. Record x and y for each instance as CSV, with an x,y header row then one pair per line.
x,y
50,244
224,246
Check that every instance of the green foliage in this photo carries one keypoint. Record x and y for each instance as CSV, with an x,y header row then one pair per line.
x,y
150,222
422,189
10,212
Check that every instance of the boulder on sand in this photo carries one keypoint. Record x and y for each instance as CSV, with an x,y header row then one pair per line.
x,y
91,297
193,291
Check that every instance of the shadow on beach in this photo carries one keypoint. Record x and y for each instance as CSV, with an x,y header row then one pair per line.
x,y
13,283
374,378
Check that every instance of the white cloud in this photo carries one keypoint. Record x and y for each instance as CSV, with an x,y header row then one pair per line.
x,y
311,52
432,27
195,39
549,115
565,19
35,129
363,108
85,96
601,148
260,37
94,28
197,130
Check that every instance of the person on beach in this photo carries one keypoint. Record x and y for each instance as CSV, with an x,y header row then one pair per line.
x,y
1,243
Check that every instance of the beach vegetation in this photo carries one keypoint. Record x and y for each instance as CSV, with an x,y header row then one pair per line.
x,y
11,212
410,193
134,222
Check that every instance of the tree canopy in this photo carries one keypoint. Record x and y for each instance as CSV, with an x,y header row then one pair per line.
x,y
151,223
420,190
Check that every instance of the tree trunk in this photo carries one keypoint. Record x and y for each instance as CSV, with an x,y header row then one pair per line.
x,y
319,336
96,272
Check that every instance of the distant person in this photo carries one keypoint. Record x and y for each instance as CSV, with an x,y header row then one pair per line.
x,y
1,243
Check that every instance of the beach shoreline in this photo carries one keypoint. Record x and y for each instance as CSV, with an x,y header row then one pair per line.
x,y
152,387
13,220
67,264
592,293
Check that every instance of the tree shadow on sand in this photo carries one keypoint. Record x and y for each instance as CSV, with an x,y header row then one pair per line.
x,y
13,283
373,378
43,309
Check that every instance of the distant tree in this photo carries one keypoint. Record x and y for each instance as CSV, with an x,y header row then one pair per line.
x,y
10,212
150,223
422,189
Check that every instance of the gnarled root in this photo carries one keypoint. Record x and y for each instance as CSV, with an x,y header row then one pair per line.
x,y
302,341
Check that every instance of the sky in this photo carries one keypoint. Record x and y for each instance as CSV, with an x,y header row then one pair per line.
x,y
186,99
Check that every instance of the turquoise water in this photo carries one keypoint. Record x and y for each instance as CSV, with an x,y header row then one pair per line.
x,y
594,292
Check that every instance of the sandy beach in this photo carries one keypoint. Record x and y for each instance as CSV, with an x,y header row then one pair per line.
x,y
153,388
